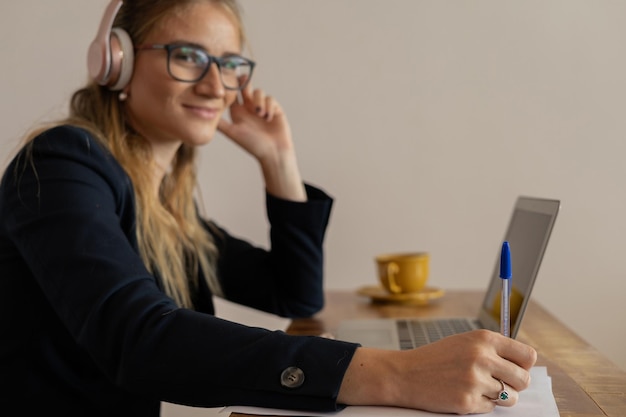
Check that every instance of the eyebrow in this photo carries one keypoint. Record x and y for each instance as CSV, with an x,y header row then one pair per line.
x,y
197,45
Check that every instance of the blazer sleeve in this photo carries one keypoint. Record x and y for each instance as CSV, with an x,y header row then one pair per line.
x,y
287,279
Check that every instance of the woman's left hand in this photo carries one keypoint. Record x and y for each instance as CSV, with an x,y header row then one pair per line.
x,y
259,125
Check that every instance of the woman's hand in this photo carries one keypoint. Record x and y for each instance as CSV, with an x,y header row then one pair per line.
x,y
259,125
459,374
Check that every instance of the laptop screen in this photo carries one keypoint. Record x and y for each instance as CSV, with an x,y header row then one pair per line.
x,y
528,233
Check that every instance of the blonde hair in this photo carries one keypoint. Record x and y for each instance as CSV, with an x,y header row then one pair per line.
x,y
173,242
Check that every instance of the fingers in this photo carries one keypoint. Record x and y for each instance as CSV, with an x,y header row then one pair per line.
x,y
500,367
257,102
517,359
517,352
513,376
264,106
511,371
505,395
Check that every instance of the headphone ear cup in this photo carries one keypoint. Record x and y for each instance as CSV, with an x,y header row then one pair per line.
x,y
99,54
122,59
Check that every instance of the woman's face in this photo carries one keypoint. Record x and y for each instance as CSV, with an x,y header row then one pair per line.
x,y
170,112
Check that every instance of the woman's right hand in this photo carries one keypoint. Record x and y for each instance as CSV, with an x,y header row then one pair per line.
x,y
458,374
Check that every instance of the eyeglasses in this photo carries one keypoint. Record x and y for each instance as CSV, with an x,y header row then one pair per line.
x,y
190,64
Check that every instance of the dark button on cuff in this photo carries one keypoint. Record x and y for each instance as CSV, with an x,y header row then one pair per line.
x,y
292,377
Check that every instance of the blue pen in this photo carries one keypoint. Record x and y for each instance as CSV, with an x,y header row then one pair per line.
x,y
505,274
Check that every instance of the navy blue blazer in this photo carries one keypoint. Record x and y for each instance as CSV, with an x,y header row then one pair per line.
x,y
87,330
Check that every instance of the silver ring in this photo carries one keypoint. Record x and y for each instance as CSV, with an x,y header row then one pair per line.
x,y
503,395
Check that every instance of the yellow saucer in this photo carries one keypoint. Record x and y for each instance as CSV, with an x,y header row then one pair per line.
x,y
422,297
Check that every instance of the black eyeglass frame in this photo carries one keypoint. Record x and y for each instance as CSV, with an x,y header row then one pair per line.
x,y
211,59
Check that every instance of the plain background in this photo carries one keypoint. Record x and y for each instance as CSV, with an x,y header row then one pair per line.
x,y
425,119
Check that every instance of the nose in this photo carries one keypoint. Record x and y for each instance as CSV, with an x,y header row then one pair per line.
x,y
211,84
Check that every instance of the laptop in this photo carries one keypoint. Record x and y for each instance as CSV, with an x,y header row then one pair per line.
x,y
528,233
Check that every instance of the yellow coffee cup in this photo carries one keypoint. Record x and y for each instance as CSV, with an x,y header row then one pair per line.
x,y
401,273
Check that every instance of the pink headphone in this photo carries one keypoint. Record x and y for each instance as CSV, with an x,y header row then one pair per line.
x,y
110,57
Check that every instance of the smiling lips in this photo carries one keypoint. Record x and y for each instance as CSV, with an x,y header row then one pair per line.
x,y
208,113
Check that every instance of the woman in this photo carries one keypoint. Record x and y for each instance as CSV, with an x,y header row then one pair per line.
x,y
108,272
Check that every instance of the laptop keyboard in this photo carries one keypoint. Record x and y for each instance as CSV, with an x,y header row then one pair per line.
x,y
414,333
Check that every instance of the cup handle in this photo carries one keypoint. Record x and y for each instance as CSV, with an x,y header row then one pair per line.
x,y
392,270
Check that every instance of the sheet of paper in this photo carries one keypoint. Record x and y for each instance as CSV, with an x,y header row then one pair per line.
x,y
175,410
536,401
249,316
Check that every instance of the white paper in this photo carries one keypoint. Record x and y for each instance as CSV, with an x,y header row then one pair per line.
x,y
536,401
175,410
249,316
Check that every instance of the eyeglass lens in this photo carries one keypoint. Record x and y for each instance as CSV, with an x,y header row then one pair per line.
x,y
190,64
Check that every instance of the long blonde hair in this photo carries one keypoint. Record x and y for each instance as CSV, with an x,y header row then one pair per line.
x,y
172,241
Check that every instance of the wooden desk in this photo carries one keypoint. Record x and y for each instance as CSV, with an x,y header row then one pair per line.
x,y
585,383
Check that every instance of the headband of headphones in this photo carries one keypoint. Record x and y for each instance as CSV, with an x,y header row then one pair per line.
x,y
110,56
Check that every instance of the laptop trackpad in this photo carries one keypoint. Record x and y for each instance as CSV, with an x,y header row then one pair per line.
x,y
379,334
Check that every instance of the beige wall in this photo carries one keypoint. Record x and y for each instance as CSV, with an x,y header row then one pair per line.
x,y
425,119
